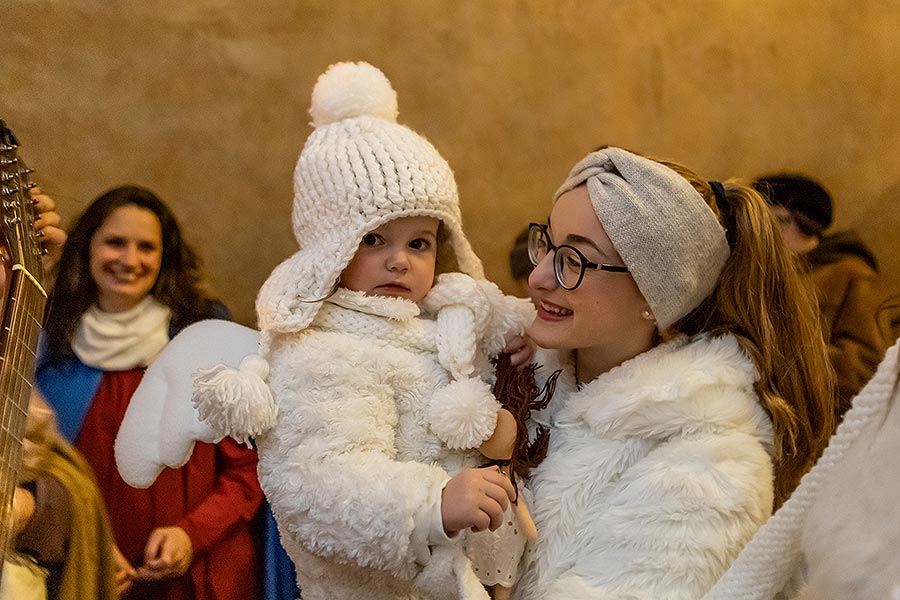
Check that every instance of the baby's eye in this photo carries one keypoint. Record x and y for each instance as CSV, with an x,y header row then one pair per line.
x,y
420,244
370,239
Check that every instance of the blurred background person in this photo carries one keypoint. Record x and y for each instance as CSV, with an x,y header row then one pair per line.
x,y
845,275
127,283
520,266
59,514
58,519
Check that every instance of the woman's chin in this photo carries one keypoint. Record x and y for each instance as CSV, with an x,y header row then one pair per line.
x,y
546,336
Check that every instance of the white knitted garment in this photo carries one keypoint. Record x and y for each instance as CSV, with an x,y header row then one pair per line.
x,y
773,556
122,340
358,170
465,324
666,234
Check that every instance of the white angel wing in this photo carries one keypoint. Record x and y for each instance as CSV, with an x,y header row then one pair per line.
x,y
161,424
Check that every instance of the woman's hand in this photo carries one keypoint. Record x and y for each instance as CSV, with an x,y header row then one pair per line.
x,y
168,554
47,225
520,349
22,510
476,499
125,573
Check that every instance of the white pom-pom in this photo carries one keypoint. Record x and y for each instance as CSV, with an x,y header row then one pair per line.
x,y
349,90
236,402
463,413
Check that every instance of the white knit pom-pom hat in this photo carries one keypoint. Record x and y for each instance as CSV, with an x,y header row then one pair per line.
x,y
358,170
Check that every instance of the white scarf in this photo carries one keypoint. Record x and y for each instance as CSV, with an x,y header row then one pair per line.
x,y
393,320
122,340
457,321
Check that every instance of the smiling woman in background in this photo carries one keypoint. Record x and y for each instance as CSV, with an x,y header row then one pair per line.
x,y
127,283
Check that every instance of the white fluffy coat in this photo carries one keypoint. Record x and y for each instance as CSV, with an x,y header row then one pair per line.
x,y
353,462
658,473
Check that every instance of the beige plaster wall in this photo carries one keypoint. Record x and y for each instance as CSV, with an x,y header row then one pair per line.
x,y
205,101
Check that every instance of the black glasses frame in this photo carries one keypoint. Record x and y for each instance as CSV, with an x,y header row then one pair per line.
x,y
585,263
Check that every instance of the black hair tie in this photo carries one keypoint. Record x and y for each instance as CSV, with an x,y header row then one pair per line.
x,y
726,210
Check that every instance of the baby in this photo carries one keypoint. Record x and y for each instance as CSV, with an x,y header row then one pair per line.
x,y
374,374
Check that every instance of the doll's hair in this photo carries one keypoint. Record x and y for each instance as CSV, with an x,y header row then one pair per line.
x,y
764,301
516,390
179,285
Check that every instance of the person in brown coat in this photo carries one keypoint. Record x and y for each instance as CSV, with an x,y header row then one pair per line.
x,y
845,274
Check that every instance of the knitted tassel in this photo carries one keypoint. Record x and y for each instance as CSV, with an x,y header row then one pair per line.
x,y
236,402
455,340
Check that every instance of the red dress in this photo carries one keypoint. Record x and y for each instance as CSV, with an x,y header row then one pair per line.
x,y
214,498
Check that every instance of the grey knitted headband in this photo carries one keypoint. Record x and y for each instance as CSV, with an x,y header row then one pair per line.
x,y
662,228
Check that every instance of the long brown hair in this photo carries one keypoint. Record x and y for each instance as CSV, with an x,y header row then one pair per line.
x,y
765,302
179,284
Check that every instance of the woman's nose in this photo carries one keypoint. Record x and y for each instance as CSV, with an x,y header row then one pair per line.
x,y
542,276
129,256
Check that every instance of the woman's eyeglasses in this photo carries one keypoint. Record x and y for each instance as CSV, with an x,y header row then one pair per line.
x,y
569,264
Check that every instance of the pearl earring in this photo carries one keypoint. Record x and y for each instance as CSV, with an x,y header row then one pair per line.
x,y
647,315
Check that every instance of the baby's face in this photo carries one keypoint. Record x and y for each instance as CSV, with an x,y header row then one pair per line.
x,y
396,259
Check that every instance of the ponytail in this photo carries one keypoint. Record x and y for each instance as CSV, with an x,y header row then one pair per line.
x,y
763,300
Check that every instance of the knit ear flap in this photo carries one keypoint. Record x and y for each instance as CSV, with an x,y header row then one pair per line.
x,y
290,298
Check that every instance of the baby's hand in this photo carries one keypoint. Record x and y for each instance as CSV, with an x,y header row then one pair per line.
x,y
476,499
520,349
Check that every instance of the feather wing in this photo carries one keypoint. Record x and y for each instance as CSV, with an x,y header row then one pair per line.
x,y
161,424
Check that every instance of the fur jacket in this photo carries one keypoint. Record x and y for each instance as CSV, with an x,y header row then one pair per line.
x,y
377,406
658,472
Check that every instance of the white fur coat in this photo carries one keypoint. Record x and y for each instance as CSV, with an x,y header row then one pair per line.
x,y
364,443
658,473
